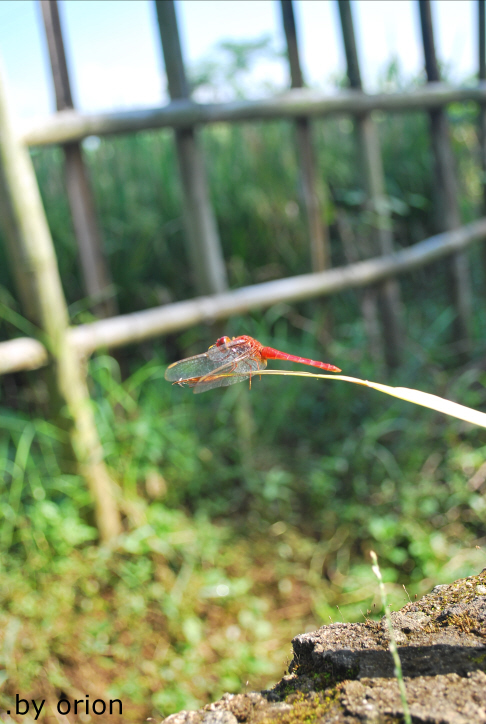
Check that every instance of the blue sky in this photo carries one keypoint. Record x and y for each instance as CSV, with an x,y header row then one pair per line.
x,y
115,59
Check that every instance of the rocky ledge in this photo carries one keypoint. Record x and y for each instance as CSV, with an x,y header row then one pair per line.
x,y
343,673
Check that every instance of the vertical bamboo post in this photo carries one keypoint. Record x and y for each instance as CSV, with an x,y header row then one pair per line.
x,y
446,183
318,231
204,249
30,248
372,168
482,106
95,272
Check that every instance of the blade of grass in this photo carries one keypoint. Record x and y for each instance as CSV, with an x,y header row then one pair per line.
x,y
417,397
22,324
393,644
20,465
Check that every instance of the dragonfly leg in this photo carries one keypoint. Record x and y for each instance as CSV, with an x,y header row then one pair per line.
x,y
189,382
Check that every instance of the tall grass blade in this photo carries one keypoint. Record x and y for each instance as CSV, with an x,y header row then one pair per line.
x,y
393,644
403,393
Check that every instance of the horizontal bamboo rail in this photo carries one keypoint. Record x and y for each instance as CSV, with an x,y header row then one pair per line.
x,y
28,354
23,353
67,126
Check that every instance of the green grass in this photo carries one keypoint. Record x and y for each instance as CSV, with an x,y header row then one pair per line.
x,y
242,529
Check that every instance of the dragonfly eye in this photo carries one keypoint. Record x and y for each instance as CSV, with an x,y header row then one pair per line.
x,y
222,341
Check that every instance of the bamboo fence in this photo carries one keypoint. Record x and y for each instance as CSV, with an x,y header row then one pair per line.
x,y
63,348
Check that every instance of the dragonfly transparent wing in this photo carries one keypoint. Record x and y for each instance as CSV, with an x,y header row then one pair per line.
x,y
186,369
238,370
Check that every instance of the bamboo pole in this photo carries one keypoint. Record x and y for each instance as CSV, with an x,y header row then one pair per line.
x,y
96,277
482,106
204,248
482,77
318,230
22,353
35,267
25,353
446,184
388,296
67,126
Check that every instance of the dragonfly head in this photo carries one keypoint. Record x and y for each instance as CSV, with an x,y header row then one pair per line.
x,y
223,341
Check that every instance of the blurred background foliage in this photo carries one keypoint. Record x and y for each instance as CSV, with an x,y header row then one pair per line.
x,y
249,515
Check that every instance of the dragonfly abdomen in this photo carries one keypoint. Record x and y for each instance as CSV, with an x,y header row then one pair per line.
x,y
270,353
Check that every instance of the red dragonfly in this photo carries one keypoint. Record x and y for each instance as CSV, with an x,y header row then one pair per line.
x,y
229,361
